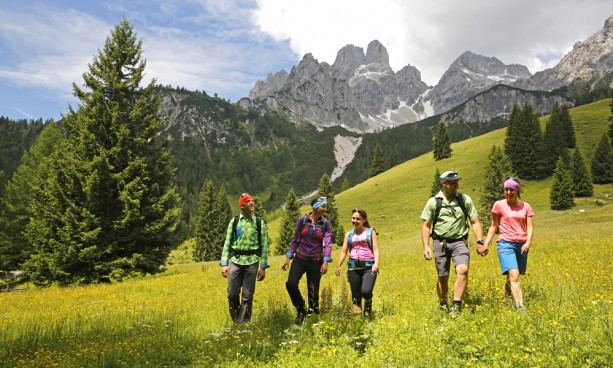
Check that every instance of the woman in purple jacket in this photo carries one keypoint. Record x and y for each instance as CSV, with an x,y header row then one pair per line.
x,y
311,251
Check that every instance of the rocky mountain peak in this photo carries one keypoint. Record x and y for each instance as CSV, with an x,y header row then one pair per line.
x,y
377,53
588,62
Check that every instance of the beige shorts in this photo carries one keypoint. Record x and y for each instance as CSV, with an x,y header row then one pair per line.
x,y
445,251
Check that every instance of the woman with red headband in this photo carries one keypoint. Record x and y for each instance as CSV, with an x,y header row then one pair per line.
x,y
311,251
513,217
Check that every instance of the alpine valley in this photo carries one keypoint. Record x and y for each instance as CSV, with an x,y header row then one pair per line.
x,y
320,118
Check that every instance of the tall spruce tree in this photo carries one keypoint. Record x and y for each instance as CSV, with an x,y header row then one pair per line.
x,y
602,164
436,183
567,127
441,146
108,208
20,193
291,213
6,250
498,169
524,143
561,196
582,179
377,165
325,189
260,211
345,186
206,230
554,140
224,215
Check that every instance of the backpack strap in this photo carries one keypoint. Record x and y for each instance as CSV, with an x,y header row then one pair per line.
x,y
368,237
439,204
258,252
350,238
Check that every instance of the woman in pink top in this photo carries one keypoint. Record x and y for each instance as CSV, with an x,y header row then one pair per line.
x,y
363,265
513,218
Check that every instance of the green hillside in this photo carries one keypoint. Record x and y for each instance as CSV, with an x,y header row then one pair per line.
x,y
180,318
394,199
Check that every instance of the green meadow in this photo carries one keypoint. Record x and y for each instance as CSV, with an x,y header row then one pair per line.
x,y
180,318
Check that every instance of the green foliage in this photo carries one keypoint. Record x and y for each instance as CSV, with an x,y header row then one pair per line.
x,y
377,166
567,127
524,143
291,213
108,208
325,189
602,164
554,140
436,183
21,194
441,146
260,211
345,184
582,179
17,137
497,170
207,232
561,196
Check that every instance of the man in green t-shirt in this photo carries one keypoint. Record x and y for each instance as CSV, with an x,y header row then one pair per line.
x,y
450,233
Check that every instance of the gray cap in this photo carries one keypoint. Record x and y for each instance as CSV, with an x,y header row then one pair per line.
x,y
449,176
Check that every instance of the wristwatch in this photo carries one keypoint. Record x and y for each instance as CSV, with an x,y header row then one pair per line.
x,y
480,242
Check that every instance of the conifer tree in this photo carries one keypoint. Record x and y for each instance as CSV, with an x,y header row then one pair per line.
x,y
441,147
562,195
6,250
21,193
291,213
206,231
377,165
566,125
224,215
259,208
602,164
325,189
498,169
345,186
524,143
109,207
582,179
554,140
436,183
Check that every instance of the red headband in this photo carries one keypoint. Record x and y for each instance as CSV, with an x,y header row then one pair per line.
x,y
244,198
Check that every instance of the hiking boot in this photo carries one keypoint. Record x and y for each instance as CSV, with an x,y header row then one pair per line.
x,y
456,310
522,311
300,317
310,311
444,307
367,308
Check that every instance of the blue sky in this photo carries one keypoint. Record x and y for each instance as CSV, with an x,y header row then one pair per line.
x,y
224,46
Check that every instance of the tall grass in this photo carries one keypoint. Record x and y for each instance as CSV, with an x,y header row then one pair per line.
x,y
180,318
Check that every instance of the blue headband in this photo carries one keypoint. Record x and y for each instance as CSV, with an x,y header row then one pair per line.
x,y
320,202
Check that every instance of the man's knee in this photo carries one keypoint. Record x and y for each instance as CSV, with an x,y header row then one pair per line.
x,y
462,270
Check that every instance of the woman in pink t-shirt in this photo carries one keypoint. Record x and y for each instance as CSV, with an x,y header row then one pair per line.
x,y
363,266
513,217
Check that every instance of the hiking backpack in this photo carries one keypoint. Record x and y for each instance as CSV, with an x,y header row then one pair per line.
x,y
258,252
368,237
439,204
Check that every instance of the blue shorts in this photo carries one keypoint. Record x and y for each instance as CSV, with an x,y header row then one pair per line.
x,y
509,254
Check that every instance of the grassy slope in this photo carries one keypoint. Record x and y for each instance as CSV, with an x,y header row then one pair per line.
x,y
394,199
181,318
